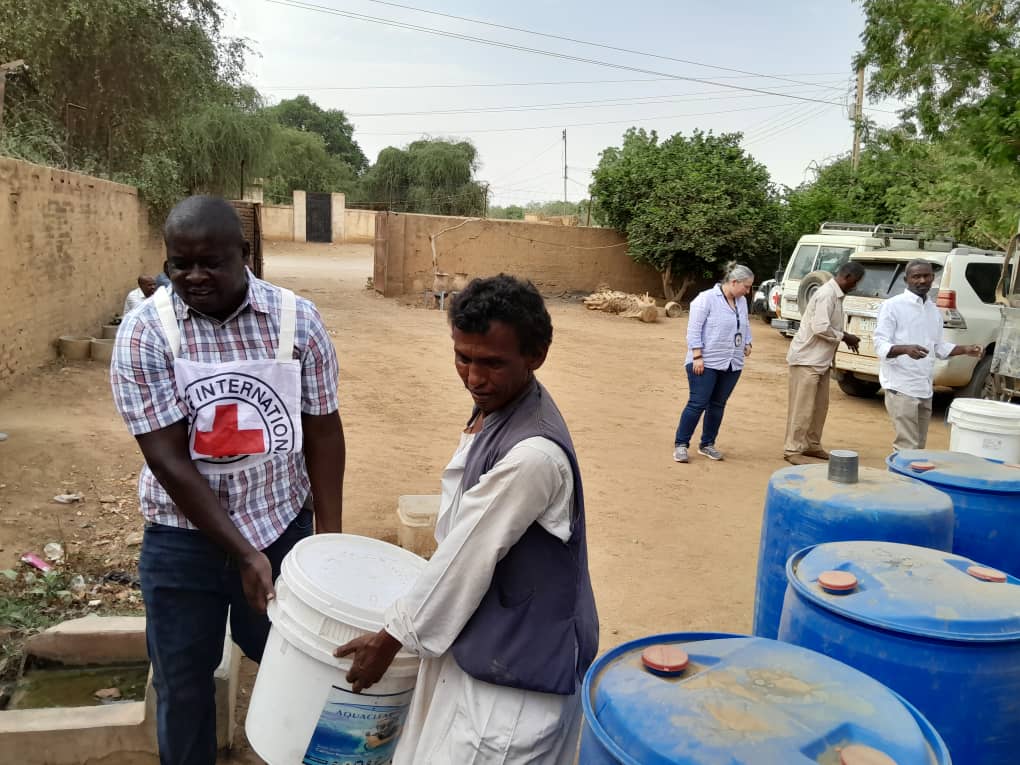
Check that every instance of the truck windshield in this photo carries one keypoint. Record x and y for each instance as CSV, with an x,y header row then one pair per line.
x,y
884,279
803,261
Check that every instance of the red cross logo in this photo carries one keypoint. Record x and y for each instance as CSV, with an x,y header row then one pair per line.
x,y
225,439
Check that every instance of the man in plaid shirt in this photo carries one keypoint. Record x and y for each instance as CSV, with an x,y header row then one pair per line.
x,y
229,385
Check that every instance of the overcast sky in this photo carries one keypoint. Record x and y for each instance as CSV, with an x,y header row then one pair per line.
x,y
383,75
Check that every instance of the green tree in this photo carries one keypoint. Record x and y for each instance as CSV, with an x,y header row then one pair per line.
x,y
510,212
301,161
688,205
145,91
943,186
433,176
956,62
301,113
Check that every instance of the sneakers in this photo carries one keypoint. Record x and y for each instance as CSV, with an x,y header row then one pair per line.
x,y
680,453
710,451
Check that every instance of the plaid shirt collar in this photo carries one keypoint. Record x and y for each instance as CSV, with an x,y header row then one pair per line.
x,y
256,298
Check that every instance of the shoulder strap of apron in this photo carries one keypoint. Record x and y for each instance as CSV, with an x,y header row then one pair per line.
x,y
168,318
288,321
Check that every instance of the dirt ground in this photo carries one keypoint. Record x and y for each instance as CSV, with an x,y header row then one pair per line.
x,y
672,547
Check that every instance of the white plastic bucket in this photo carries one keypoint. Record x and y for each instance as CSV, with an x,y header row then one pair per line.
x,y
331,589
989,429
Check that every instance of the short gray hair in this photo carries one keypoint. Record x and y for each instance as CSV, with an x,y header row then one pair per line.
x,y
736,272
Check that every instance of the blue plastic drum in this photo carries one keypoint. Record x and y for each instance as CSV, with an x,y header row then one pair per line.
x,y
709,699
935,627
986,502
803,507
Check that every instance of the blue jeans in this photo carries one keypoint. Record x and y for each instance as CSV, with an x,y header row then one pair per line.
x,y
188,584
709,392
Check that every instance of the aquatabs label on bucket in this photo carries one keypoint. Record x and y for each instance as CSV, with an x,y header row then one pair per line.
x,y
358,728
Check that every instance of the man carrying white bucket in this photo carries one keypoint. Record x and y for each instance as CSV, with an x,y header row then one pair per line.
x,y
503,615
908,337
229,385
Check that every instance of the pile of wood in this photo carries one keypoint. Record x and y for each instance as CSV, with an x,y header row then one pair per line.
x,y
629,306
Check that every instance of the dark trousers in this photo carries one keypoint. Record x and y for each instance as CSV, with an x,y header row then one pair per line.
x,y
709,392
188,584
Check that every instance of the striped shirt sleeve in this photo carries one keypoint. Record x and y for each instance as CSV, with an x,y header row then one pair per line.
x,y
319,368
141,376
696,323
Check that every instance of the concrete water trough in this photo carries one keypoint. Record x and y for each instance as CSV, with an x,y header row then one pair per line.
x,y
121,733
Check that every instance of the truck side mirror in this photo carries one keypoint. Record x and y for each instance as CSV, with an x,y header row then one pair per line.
x,y
779,276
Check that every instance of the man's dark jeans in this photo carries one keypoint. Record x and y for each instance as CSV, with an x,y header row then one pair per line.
x,y
188,584
709,392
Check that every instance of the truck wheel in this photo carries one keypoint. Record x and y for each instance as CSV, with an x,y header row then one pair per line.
x,y
809,286
979,385
852,386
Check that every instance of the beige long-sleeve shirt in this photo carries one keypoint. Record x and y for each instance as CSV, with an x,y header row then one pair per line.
x,y
821,329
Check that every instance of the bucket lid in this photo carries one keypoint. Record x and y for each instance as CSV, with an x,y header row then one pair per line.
x,y
747,700
979,413
913,590
350,578
957,470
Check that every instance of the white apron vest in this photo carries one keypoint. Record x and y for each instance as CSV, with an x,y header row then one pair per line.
x,y
240,413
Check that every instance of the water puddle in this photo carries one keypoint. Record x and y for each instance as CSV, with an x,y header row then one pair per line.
x,y
63,686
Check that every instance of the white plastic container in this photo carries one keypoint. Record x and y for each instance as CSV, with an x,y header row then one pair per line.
x,y
416,523
332,588
989,429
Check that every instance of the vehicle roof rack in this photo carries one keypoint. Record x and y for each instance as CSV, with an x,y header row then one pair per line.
x,y
886,231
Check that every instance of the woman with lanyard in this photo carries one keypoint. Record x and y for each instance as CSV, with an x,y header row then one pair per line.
x,y
718,339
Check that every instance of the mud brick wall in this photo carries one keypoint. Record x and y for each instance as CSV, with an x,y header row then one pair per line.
x,y
556,258
71,247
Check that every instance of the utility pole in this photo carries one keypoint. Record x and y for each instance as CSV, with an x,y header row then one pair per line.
x,y
855,159
10,66
564,166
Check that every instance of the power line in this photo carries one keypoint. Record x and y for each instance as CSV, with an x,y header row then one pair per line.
x,y
538,51
669,98
580,42
783,128
542,153
630,121
518,84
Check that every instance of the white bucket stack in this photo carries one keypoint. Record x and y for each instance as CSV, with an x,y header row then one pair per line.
x,y
989,429
332,588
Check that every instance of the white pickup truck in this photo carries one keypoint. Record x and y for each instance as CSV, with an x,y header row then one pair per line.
x,y
817,255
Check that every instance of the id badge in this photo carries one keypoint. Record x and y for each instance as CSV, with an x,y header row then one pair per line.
x,y
738,340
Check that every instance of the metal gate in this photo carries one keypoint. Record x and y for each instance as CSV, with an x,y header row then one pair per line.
x,y
318,218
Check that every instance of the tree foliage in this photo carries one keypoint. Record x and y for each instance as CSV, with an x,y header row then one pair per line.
x,y
941,185
434,176
146,91
688,204
302,161
301,113
957,62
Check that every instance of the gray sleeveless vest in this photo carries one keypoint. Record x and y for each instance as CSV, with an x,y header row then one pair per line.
x,y
536,627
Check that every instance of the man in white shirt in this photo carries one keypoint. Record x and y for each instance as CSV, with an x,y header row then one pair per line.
x,y
810,358
146,286
907,340
503,615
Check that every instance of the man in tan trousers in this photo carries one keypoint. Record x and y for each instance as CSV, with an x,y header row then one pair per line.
x,y
810,358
